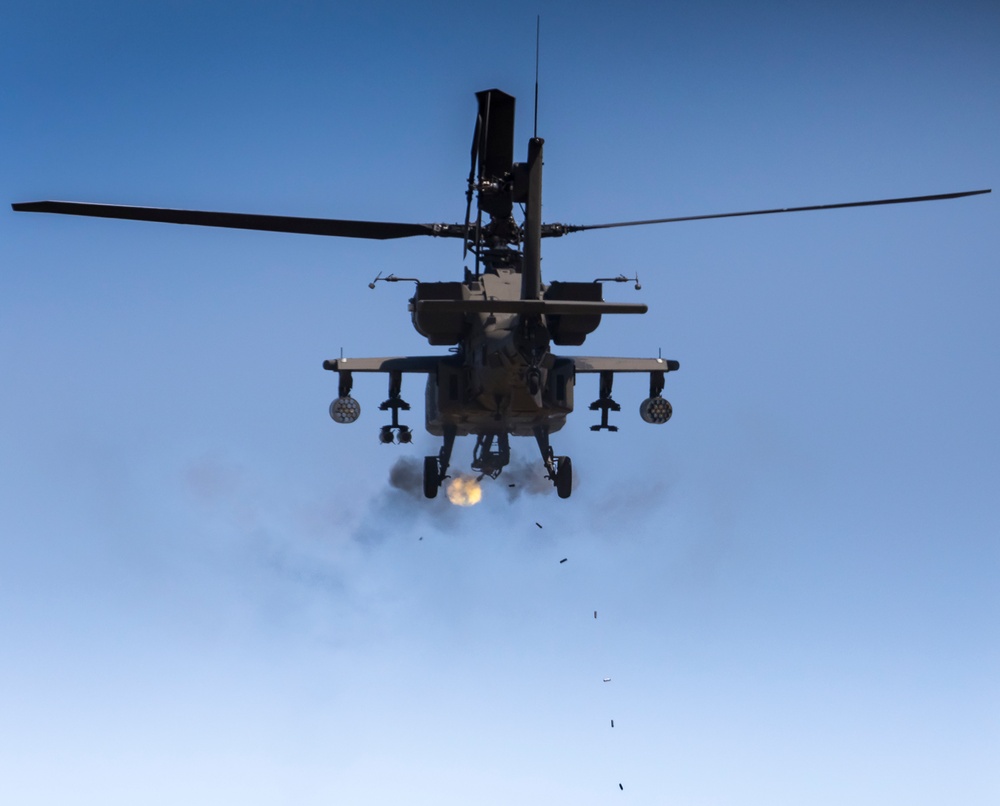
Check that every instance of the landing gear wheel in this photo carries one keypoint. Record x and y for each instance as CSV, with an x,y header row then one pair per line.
x,y
564,477
431,478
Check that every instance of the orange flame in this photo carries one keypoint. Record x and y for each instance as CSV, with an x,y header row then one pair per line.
x,y
464,491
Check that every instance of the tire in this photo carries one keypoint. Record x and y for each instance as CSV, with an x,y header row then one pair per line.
x,y
564,477
431,479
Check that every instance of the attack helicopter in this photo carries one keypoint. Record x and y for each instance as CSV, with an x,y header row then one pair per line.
x,y
500,377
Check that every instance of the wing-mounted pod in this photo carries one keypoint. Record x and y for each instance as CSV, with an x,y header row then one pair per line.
x,y
656,409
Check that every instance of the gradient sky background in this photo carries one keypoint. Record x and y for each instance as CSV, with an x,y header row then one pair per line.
x,y
208,591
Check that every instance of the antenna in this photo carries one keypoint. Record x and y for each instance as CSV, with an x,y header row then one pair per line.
x,y
538,28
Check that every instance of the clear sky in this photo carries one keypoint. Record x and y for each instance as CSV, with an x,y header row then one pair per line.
x,y
209,593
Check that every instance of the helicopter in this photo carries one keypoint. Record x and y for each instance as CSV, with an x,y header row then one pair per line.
x,y
500,377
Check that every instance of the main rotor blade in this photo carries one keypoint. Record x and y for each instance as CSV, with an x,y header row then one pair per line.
x,y
551,230
340,228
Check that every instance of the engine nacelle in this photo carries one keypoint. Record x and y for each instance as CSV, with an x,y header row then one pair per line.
x,y
573,330
345,409
655,410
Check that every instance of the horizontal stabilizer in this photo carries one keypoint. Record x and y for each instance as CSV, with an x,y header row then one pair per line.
x,y
536,307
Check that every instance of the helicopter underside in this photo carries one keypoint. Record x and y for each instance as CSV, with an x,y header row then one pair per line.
x,y
486,424
517,415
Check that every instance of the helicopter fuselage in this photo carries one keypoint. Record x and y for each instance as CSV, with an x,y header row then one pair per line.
x,y
503,378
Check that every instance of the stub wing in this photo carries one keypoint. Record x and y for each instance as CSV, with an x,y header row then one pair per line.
x,y
429,363
654,409
587,363
401,363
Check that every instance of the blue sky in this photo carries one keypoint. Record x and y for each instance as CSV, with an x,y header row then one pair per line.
x,y
208,590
